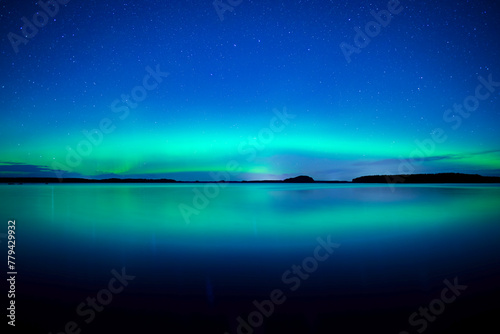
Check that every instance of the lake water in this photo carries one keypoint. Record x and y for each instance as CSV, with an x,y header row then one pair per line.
x,y
370,256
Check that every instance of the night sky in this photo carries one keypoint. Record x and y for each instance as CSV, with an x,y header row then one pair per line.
x,y
261,89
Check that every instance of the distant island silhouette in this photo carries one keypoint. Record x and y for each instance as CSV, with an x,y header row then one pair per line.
x,y
428,178
390,179
299,179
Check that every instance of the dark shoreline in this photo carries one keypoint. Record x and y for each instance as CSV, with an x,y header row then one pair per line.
x,y
388,179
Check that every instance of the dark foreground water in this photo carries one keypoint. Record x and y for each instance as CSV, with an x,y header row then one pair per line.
x,y
254,258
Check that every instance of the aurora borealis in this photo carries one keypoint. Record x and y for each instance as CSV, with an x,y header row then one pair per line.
x,y
174,91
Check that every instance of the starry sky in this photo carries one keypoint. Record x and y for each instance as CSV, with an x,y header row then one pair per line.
x,y
198,90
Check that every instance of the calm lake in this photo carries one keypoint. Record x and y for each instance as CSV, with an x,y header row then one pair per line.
x,y
328,258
